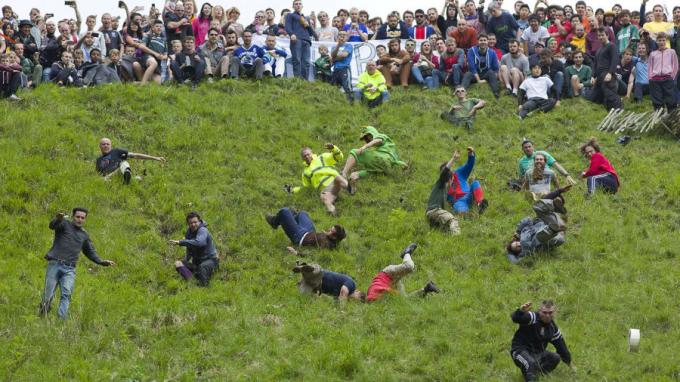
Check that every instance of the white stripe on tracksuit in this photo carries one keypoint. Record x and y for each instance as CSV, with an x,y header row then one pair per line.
x,y
592,179
521,360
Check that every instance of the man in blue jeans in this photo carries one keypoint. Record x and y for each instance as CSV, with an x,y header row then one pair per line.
x,y
299,228
300,31
69,240
342,57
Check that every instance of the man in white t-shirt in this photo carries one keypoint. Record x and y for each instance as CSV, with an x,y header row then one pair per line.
x,y
536,88
535,33
325,31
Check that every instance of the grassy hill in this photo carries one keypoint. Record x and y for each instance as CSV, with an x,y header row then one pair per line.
x,y
230,147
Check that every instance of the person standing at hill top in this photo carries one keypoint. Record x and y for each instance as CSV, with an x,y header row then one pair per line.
x,y
377,155
69,240
114,161
319,172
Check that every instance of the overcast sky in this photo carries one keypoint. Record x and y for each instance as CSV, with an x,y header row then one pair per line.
x,y
248,8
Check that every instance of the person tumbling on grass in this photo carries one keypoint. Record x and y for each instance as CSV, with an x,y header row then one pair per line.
x,y
299,228
201,259
316,280
319,172
544,232
377,155
114,161
536,330
461,194
69,240
436,212
389,279
463,110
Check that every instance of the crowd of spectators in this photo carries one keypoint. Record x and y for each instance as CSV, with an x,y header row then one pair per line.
x,y
602,54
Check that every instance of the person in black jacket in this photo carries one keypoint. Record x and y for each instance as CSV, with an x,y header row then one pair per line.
x,y
69,240
536,330
604,79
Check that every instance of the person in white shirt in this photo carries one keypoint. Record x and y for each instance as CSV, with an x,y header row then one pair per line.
x,y
537,89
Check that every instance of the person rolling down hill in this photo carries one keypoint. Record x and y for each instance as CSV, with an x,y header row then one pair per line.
x,y
536,330
316,280
319,172
544,232
378,155
390,278
201,256
461,193
299,228
114,161
436,212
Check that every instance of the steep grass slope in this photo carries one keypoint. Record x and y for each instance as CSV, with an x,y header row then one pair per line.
x,y
230,148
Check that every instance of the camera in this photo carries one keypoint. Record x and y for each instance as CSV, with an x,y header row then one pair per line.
x,y
95,34
69,2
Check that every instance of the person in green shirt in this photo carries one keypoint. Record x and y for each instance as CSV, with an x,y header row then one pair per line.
x,y
579,76
526,162
628,34
322,65
377,155
463,110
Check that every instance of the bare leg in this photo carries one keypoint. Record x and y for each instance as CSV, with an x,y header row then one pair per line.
x,y
351,161
517,78
151,66
575,85
139,71
505,76
328,199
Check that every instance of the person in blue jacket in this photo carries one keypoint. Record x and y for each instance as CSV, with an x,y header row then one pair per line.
x,y
201,256
482,66
248,59
461,193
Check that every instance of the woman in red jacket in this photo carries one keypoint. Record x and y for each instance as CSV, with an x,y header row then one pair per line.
x,y
601,173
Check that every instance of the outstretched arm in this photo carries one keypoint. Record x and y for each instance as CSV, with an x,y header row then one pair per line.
x,y
375,142
145,157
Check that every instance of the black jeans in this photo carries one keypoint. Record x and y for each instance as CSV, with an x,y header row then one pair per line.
x,y
194,73
533,364
489,75
663,93
12,86
606,92
537,103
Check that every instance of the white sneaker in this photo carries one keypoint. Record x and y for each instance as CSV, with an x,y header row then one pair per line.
x,y
14,97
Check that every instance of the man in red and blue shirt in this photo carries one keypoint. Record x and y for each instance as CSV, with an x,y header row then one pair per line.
x,y
461,193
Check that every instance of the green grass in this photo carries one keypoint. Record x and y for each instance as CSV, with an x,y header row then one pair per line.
x,y
230,148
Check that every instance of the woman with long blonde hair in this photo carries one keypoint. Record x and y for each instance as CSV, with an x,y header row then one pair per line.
x,y
220,15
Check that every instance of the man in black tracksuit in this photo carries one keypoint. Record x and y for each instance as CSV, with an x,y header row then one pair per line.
x,y
604,81
529,344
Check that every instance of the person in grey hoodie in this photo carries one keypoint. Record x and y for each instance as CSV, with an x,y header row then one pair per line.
x,y
544,232
201,256
69,240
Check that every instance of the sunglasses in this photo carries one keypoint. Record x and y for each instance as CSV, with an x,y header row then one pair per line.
x,y
460,91
420,16
212,34
410,44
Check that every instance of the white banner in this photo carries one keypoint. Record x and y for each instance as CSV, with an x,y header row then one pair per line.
x,y
363,52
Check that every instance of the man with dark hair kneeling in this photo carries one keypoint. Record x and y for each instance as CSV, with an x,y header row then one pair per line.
x,y
299,228
536,330
201,258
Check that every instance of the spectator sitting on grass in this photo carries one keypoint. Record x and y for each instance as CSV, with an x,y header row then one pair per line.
x,y
248,59
300,230
30,66
274,58
544,232
514,68
463,110
188,67
482,66
114,161
10,77
526,162
216,59
396,63
579,76
389,279
319,172
201,255
377,155
371,86
537,89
